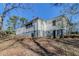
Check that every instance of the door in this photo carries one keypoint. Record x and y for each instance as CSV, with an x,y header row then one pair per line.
x,y
54,34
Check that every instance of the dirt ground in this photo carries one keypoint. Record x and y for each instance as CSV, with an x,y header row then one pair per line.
x,y
23,46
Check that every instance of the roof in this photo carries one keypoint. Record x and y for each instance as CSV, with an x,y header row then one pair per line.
x,y
35,19
53,19
56,18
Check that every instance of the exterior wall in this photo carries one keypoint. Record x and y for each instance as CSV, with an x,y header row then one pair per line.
x,y
42,28
61,25
20,30
38,29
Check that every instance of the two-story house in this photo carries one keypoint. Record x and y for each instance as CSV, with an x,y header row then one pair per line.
x,y
55,27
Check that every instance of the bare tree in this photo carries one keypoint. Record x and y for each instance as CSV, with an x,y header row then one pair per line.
x,y
12,6
69,10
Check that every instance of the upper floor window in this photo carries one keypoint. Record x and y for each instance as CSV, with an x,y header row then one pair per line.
x,y
29,25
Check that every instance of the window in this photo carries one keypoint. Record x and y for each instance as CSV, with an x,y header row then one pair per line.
x,y
29,25
54,23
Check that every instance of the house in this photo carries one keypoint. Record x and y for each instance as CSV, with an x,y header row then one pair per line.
x,y
36,27
56,27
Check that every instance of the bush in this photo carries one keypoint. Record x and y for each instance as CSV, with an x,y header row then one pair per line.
x,y
5,34
10,32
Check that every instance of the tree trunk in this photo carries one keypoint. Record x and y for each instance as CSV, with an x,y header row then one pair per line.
x,y
1,25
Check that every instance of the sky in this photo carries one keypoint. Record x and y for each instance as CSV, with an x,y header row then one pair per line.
x,y
44,11
1,8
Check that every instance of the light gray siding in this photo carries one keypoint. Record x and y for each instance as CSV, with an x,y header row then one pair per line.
x,y
42,28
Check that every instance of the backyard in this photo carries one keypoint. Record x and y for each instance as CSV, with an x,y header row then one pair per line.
x,y
25,46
